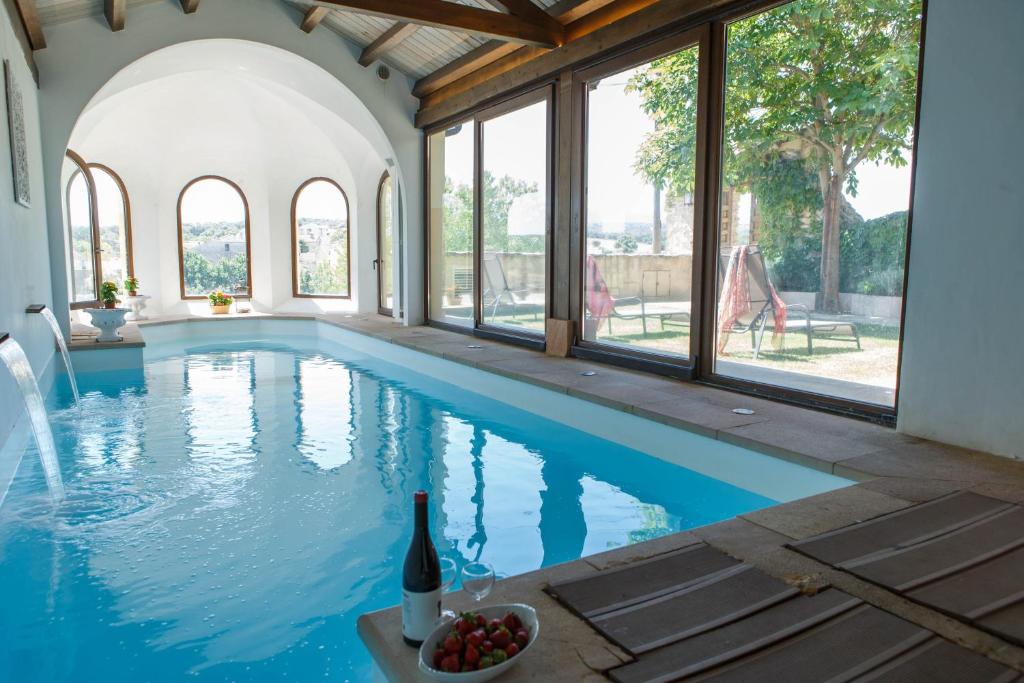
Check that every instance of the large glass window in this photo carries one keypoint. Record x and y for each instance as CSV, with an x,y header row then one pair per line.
x,y
82,245
320,240
450,157
213,238
514,217
820,99
115,224
639,204
385,246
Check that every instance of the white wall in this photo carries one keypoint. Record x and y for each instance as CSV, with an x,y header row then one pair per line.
x,y
176,128
83,55
24,260
963,368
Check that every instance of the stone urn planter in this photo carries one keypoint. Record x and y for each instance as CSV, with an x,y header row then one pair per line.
x,y
137,303
108,320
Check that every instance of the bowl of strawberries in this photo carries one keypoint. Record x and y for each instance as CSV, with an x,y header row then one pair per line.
x,y
481,645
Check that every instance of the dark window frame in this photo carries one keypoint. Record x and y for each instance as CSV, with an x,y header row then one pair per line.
x,y
295,247
181,240
378,262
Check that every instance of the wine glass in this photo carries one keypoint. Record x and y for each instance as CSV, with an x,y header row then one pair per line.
x,y
478,579
449,572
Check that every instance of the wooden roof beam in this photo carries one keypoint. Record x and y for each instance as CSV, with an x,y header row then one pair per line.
x,y
114,10
455,17
388,40
565,12
30,21
189,6
314,15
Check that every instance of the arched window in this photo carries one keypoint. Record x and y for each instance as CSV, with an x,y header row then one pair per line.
x,y
213,238
320,240
385,243
82,239
115,224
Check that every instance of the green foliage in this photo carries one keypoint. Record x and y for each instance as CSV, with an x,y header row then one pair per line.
x,y
108,292
813,89
498,195
220,299
202,275
873,253
626,244
131,284
325,280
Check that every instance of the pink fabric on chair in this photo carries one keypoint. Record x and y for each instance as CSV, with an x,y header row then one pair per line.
x,y
734,301
600,302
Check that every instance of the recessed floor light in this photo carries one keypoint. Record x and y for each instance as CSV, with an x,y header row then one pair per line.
x,y
588,373
743,411
473,346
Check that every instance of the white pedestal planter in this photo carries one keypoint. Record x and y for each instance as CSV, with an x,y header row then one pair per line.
x,y
108,320
136,304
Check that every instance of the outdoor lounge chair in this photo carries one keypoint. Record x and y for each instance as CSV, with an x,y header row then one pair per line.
x,y
647,304
762,308
497,289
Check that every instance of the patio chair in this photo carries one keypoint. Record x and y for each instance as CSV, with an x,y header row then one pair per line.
x,y
646,304
763,307
497,289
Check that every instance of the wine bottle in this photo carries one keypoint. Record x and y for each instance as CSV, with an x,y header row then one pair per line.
x,y
421,580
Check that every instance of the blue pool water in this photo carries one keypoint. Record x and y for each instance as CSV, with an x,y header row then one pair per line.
x,y
232,509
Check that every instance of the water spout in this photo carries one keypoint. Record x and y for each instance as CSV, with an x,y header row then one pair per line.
x,y
61,342
12,355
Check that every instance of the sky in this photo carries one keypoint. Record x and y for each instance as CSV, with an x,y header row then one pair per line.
x,y
212,201
617,127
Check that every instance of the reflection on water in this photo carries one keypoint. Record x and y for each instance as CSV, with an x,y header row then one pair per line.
x,y
229,517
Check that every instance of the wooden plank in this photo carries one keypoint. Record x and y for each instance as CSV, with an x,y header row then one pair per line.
x,y
739,639
900,529
519,56
647,21
525,9
314,15
640,581
30,22
388,40
189,6
939,661
449,15
565,11
838,650
114,10
726,597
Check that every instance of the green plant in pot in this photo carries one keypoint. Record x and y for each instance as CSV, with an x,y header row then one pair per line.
x,y
108,294
220,302
131,285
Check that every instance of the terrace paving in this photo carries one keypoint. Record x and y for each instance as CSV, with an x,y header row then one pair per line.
x,y
894,471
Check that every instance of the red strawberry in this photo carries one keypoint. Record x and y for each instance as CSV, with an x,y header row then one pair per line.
x,y
501,638
472,655
475,638
512,622
493,625
451,664
453,644
481,620
465,623
487,646
512,650
438,656
522,638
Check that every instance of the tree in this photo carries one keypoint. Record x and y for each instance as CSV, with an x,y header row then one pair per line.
x,y
831,83
498,195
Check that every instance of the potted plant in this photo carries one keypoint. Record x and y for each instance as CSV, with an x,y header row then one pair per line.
x,y
131,284
220,302
108,294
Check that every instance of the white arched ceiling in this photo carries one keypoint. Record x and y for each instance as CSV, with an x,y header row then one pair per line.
x,y
260,116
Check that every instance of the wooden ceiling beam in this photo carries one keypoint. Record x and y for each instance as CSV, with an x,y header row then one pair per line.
x,y
388,40
314,15
189,6
114,10
455,17
529,11
565,12
29,16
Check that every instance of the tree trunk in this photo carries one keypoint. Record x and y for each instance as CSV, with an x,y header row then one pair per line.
x,y
656,246
828,294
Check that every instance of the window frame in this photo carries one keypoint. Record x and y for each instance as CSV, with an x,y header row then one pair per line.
x,y
181,240
673,365
295,251
90,183
544,92
129,253
381,309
